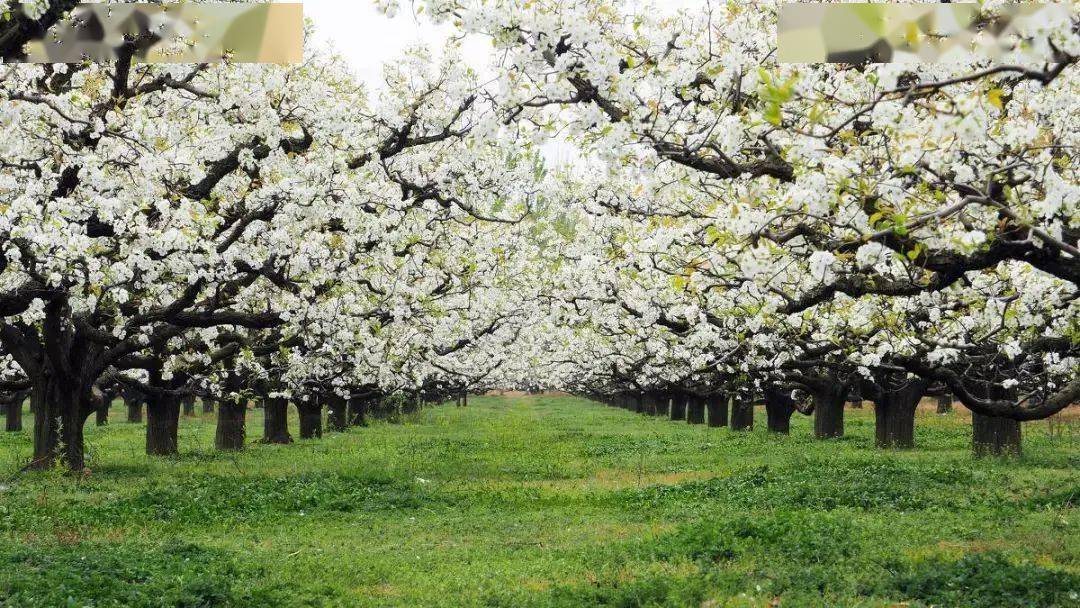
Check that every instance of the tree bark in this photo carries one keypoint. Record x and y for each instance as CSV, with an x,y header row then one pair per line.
x,y
337,417
13,414
231,419
46,423
102,414
162,424
134,409
718,410
310,419
944,403
779,406
695,409
894,411
208,406
74,409
829,411
993,436
188,404
276,421
678,406
358,412
742,413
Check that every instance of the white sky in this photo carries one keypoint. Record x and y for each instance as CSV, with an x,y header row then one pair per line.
x,y
368,39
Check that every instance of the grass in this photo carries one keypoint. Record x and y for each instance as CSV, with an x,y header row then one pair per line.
x,y
545,501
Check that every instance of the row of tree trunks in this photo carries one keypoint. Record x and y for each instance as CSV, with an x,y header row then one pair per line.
x,y
188,404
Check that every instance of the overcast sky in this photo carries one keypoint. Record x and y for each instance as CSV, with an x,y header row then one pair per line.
x,y
368,39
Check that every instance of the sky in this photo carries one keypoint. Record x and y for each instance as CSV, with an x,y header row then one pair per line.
x,y
368,39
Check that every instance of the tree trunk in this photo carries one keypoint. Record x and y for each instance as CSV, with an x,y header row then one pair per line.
x,y
337,417
993,436
72,403
410,405
894,412
829,411
718,410
660,405
276,421
678,406
231,418
358,412
695,410
779,406
310,419
162,424
944,403
13,415
134,409
46,423
188,403
742,413
638,404
207,406
102,414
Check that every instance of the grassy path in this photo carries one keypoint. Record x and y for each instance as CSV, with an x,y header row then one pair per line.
x,y
542,501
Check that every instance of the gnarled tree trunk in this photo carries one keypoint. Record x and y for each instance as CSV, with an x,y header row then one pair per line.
x,y
779,406
310,418
829,411
337,417
992,435
231,420
678,406
276,421
894,411
134,408
944,403
102,413
162,425
43,404
358,412
188,404
718,410
742,413
695,409
13,414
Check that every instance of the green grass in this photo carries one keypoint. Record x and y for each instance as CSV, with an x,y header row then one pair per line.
x,y
545,501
